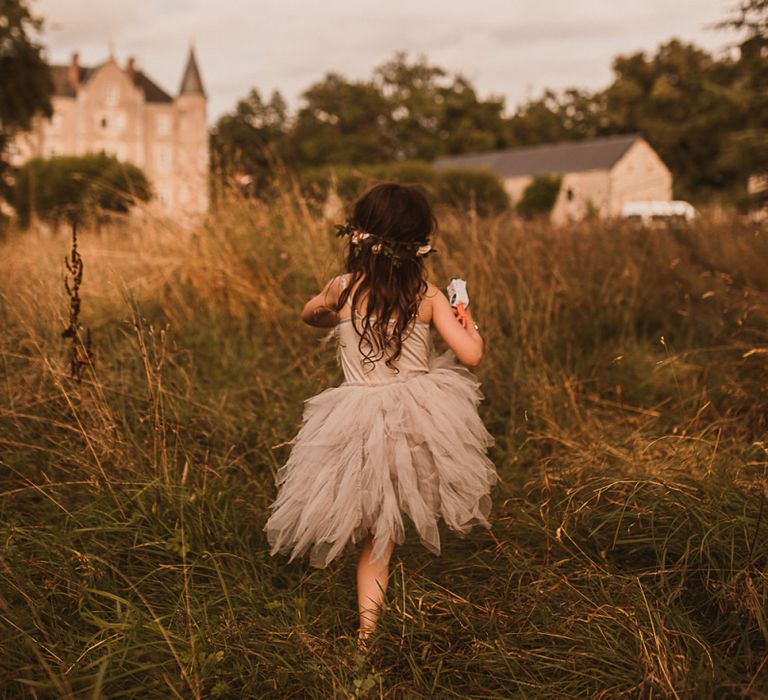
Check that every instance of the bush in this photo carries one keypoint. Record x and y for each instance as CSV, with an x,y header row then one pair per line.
x,y
539,196
463,189
83,186
474,189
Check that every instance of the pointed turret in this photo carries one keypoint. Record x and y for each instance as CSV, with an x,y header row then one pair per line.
x,y
191,136
191,83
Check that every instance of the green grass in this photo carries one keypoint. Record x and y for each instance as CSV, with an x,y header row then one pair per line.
x,y
625,383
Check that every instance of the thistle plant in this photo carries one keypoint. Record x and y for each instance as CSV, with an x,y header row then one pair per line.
x,y
80,354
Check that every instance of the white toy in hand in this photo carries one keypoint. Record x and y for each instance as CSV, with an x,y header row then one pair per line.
x,y
459,299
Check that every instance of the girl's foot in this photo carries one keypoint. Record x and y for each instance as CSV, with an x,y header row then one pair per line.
x,y
363,638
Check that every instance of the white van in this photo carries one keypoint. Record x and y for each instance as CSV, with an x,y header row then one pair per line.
x,y
649,212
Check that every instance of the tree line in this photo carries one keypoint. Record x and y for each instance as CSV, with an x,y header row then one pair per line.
x,y
706,115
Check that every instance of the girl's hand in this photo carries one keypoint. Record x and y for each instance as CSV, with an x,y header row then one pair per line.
x,y
461,314
458,298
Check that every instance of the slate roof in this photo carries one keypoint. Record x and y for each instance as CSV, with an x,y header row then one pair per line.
x,y
567,157
152,91
62,87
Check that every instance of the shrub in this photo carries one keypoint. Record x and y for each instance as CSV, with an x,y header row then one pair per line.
x,y
463,189
316,182
474,189
83,186
539,196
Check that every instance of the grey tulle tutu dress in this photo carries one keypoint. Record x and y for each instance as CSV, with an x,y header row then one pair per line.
x,y
383,445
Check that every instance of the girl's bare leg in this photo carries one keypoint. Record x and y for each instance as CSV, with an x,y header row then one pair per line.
x,y
372,578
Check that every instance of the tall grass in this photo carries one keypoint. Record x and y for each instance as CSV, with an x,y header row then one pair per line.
x,y
625,382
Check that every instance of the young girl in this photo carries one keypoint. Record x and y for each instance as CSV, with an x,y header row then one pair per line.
x,y
401,434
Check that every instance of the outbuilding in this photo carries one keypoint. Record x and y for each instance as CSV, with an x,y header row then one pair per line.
x,y
598,175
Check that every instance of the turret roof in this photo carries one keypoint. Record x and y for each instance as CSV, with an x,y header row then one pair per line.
x,y
192,83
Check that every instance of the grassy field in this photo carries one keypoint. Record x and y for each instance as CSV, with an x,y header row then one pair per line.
x,y
626,383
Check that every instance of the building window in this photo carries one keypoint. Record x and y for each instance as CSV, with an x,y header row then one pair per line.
x,y
569,194
163,124
163,159
119,121
111,95
56,121
104,122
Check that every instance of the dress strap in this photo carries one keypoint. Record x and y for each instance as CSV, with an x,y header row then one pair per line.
x,y
344,282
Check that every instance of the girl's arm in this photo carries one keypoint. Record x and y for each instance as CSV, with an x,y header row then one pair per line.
x,y
466,343
319,310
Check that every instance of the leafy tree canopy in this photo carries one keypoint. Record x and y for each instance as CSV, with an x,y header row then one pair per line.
x,y
80,186
25,79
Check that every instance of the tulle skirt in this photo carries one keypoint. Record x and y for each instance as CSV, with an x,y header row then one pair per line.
x,y
366,455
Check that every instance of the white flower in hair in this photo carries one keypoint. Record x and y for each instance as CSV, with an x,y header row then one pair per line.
x,y
423,250
358,236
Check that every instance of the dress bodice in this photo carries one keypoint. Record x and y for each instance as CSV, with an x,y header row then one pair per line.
x,y
414,354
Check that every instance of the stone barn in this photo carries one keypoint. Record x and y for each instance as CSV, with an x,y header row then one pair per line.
x,y
598,175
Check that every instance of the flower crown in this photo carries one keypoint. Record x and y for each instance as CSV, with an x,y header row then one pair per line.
x,y
379,244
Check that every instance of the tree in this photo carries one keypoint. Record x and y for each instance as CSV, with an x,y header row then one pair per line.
x,y
253,138
685,103
25,79
749,17
432,113
746,148
539,196
571,115
343,122
81,186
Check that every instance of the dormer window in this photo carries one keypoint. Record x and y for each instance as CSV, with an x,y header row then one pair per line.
x,y
111,95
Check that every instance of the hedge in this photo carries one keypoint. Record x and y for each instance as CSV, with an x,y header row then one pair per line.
x,y
83,186
465,189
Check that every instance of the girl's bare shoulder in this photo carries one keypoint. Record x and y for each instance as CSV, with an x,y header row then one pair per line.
x,y
432,293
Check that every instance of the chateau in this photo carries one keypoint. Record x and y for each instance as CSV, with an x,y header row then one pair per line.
x,y
122,111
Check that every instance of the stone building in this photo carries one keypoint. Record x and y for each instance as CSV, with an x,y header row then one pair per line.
x,y
123,112
598,175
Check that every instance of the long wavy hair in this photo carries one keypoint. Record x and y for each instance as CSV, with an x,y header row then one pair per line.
x,y
392,281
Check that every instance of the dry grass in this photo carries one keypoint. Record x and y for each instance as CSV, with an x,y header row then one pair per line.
x,y
625,383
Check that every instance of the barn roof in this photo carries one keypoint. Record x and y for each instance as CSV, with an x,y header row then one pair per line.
x,y
567,157
62,85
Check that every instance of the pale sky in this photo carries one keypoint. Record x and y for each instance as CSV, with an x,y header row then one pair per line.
x,y
511,48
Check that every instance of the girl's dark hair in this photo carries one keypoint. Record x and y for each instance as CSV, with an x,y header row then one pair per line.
x,y
392,287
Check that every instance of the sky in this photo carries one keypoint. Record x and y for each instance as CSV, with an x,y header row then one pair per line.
x,y
509,48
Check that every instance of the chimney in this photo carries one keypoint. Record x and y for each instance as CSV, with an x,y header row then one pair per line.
x,y
130,68
74,71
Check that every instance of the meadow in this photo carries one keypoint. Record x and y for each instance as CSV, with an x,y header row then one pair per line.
x,y
626,383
